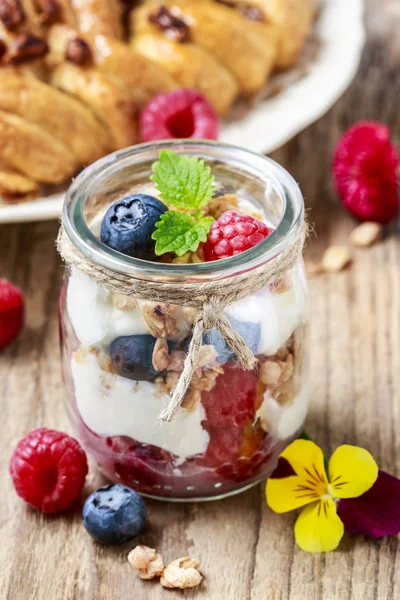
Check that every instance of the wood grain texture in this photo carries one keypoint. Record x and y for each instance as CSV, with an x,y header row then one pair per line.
x,y
245,551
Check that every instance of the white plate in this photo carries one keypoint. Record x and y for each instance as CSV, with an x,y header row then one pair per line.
x,y
276,120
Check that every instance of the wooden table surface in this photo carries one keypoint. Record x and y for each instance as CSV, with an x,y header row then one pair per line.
x,y
245,551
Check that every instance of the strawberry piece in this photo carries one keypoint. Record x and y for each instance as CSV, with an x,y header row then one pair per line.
x,y
180,114
233,233
48,469
11,312
364,169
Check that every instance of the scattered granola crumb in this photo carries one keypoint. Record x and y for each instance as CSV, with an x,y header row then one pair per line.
x,y
217,206
366,234
192,399
146,561
270,373
81,354
336,258
181,573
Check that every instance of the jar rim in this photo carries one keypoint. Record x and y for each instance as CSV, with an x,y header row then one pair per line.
x,y
282,237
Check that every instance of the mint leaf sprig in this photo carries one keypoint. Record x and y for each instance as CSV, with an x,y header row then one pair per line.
x,y
185,183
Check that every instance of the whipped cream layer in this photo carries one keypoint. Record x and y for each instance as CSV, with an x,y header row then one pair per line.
x,y
111,405
284,421
97,321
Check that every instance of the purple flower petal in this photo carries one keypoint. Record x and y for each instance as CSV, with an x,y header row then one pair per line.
x,y
377,512
284,469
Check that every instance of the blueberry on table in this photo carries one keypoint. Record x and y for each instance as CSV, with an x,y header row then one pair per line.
x,y
129,224
132,357
250,332
114,514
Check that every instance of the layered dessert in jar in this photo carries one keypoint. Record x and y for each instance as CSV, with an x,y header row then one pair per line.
x,y
124,355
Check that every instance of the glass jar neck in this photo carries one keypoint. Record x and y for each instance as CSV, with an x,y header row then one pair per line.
x,y
276,193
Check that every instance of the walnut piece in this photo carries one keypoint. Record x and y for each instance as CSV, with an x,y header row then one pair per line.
x,y
78,52
181,573
160,319
146,561
366,234
160,358
336,258
176,360
11,14
25,48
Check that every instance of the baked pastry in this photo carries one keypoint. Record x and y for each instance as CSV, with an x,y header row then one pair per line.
x,y
294,19
246,48
111,100
192,66
74,74
27,148
71,123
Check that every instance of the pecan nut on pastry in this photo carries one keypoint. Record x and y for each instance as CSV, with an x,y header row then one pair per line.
x,y
174,28
78,51
50,11
25,48
11,14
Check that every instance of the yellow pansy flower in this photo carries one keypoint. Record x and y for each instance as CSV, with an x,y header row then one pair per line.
x,y
302,480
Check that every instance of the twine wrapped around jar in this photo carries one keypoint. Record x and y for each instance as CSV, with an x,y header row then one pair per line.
x,y
210,299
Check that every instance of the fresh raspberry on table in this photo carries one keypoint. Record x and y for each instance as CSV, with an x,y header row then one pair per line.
x,y
11,312
232,402
365,172
48,469
182,113
233,233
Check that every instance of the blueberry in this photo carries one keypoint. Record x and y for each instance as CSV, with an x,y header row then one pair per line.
x,y
132,355
129,224
114,514
250,332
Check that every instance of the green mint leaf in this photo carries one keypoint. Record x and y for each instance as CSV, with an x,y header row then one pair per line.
x,y
179,232
183,181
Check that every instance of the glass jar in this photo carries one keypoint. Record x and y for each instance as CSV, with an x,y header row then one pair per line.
x,y
233,424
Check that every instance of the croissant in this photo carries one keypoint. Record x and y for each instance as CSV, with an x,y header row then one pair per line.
x,y
294,19
108,97
246,48
14,186
29,149
191,65
70,122
113,56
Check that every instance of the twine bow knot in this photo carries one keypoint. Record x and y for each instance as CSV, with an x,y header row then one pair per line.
x,y
210,316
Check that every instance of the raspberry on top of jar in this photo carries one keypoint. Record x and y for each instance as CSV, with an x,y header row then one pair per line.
x,y
130,352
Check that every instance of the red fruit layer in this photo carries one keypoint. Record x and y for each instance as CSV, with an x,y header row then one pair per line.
x,y
48,469
365,172
233,400
180,114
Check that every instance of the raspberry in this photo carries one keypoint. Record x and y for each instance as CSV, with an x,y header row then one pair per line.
x,y
11,312
364,169
232,402
48,469
233,233
180,114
